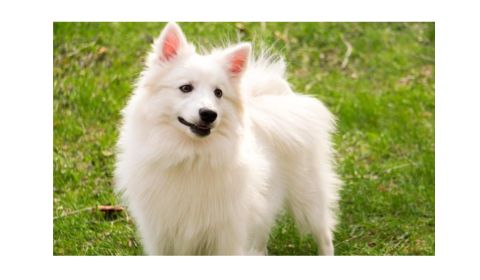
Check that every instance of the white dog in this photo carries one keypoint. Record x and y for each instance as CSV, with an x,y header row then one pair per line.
x,y
213,146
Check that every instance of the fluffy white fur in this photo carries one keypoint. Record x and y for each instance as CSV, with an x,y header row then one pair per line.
x,y
220,194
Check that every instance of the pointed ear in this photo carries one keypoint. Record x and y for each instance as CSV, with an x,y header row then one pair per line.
x,y
237,59
170,43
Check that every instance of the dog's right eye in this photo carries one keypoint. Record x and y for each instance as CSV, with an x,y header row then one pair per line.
x,y
186,88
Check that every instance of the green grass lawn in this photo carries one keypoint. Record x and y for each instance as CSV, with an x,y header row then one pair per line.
x,y
383,96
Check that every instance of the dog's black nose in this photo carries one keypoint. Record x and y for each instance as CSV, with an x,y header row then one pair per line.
x,y
207,115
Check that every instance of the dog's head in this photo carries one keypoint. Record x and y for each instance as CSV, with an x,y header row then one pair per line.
x,y
198,95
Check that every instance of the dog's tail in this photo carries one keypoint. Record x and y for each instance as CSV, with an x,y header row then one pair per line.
x,y
265,75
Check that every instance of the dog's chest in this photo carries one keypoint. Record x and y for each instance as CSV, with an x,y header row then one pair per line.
x,y
192,210
199,198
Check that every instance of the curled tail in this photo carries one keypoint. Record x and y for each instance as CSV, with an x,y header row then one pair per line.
x,y
265,75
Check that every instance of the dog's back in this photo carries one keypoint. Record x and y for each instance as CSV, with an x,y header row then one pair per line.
x,y
295,133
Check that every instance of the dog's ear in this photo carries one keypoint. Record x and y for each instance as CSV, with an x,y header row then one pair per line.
x,y
237,59
170,42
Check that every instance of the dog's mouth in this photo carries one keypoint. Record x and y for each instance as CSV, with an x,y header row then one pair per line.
x,y
198,129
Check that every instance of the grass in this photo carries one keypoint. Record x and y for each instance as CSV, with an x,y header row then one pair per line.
x,y
384,100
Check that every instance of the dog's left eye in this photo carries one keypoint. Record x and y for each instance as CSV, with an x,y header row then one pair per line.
x,y
218,92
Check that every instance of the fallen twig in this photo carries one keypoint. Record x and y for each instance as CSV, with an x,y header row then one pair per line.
x,y
107,209
110,208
